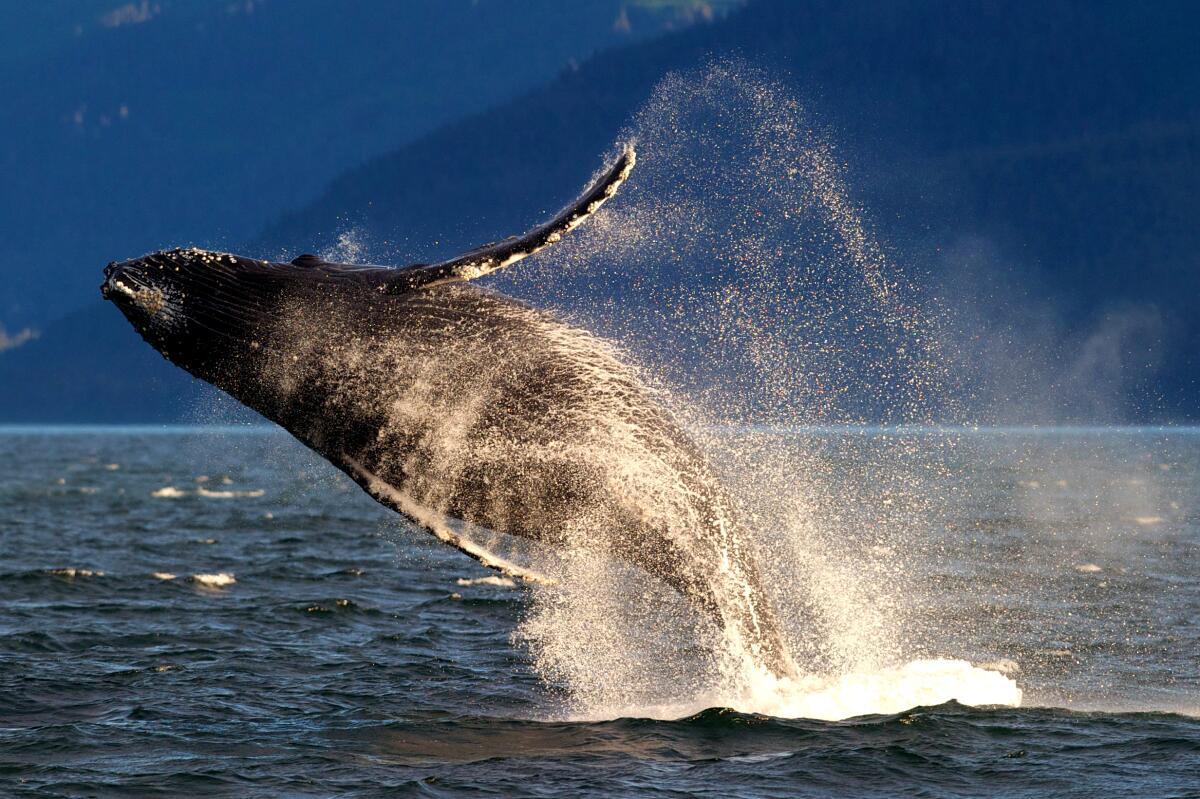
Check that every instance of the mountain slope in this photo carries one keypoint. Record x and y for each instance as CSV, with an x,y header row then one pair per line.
x,y
1060,145
196,121
1038,164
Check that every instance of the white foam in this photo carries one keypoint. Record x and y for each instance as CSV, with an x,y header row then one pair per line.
x,y
887,690
168,492
71,572
204,492
218,580
162,576
503,582
1088,568
883,691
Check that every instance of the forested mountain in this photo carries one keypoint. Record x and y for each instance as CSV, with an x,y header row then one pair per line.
x,y
126,126
1041,156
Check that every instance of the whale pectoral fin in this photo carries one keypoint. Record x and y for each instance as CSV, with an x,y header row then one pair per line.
x,y
497,255
434,522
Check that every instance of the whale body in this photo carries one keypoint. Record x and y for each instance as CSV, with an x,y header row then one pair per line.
x,y
462,409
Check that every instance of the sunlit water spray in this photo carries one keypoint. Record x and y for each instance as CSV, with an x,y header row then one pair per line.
x,y
736,269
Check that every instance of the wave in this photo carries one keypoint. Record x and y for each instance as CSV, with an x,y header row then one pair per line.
x,y
228,494
71,572
172,492
218,580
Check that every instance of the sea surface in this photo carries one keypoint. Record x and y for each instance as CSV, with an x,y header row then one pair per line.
x,y
217,612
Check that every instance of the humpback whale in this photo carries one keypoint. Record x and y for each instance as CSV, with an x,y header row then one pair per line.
x,y
462,409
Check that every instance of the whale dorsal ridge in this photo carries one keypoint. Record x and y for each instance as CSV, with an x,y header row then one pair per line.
x,y
497,255
308,260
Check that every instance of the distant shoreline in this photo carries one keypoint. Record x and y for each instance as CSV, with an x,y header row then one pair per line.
x,y
814,430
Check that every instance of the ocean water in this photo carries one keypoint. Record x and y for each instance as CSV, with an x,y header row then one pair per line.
x,y
216,612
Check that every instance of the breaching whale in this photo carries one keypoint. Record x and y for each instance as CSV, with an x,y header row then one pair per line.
x,y
462,409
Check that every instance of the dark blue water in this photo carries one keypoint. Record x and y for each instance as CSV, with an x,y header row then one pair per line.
x,y
345,659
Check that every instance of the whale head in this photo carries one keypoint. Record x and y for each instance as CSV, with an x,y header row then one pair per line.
x,y
207,311
213,313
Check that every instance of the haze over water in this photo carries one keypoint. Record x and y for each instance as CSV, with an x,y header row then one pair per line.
x,y
344,652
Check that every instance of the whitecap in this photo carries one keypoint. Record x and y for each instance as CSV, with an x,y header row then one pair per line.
x,y
168,492
204,492
162,576
218,580
71,572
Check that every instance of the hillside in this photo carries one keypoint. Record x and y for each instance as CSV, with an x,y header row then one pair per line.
x,y
125,127
1041,167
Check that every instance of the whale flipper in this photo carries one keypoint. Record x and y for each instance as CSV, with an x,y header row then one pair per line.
x,y
497,255
437,524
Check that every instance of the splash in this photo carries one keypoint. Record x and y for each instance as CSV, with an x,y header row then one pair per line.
x,y
737,264
888,690
752,303
747,281
350,247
